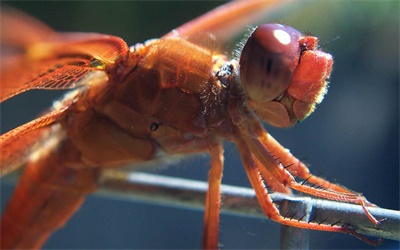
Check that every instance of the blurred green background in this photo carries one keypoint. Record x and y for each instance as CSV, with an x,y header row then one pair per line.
x,y
352,139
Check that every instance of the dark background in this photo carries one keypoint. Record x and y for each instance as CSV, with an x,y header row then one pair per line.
x,y
352,139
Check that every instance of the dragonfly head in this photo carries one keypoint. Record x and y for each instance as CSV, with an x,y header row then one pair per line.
x,y
283,74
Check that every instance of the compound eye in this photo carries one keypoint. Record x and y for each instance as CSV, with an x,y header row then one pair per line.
x,y
268,61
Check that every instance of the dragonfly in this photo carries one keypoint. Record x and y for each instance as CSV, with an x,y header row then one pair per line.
x,y
99,63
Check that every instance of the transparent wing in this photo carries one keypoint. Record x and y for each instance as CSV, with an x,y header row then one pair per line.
x,y
221,25
16,144
49,60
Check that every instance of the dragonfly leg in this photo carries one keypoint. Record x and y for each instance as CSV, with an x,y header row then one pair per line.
x,y
273,158
295,166
318,186
272,211
213,198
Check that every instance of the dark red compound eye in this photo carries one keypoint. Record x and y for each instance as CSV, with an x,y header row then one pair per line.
x,y
268,61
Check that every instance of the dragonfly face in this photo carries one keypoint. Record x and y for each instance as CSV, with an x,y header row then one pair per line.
x,y
327,127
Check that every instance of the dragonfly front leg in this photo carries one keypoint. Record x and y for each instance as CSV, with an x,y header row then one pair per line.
x,y
298,169
268,207
213,198
284,166
293,165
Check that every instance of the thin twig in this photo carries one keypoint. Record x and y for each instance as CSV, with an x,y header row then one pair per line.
x,y
242,201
